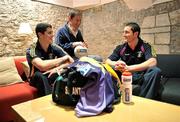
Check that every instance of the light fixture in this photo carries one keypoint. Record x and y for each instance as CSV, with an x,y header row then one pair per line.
x,y
25,29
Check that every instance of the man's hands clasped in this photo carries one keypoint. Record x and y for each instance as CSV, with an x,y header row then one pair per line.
x,y
64,62
121,66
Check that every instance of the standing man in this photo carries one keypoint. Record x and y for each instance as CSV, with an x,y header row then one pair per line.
x,y
139,58
45,60
69,36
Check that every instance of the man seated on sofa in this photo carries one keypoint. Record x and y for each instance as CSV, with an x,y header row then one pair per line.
x,y
139,58
45,59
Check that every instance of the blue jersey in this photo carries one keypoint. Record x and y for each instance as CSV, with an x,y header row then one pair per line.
x,y
65,38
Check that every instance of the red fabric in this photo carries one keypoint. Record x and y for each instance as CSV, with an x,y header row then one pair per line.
x,y
17,91
14,94
18,64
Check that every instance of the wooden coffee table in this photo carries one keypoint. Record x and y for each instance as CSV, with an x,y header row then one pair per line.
x,y
141,110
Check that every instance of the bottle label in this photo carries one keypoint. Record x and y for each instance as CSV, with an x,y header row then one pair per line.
x,y
127,79
127,94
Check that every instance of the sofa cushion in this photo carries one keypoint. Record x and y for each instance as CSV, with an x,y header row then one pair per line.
x,y
171,91
20,92
26,68
169,65
18,60
8,72
14,94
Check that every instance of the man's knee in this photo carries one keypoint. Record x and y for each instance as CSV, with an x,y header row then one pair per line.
x,y
37,78
38,74
154,70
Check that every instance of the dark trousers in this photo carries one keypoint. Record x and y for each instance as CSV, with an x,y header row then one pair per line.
x,y
43,83
149,82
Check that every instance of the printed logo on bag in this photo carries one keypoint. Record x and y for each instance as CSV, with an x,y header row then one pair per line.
x,y
75,90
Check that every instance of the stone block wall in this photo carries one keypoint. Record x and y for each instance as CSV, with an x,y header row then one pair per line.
x,y
13,12
103,26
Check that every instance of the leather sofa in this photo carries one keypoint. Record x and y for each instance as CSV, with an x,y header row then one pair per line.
x,y
15,93
170,81
169,90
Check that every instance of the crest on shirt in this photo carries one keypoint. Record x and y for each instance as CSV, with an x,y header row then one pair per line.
x,y
50,56
139,54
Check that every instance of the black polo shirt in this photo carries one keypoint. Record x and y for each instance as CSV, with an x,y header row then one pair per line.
x,y
35,50
142,52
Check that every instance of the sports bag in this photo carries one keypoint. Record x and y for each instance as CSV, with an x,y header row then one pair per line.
x,y
67,87
87,85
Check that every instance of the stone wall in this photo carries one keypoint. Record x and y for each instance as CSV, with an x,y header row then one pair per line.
x,y
13,12
103,25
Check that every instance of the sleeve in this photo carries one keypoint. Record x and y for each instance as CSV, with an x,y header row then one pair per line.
x,y
115,55
63,39
58,51
31,53
149,51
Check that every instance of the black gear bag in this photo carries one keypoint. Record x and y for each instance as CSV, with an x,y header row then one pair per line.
x,y
66,88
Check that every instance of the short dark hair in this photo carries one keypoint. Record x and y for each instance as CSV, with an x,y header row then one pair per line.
x,y
42,27
134,27
72,14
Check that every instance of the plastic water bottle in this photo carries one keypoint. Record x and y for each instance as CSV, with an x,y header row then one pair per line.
x,y
127,87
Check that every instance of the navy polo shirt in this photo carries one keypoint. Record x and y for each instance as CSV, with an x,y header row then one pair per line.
x,y
65,38
54,51
142,52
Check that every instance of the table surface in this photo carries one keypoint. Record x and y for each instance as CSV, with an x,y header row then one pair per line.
x,y
140,110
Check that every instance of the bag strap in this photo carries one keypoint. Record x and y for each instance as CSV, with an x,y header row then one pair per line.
x,y
112,72
55,90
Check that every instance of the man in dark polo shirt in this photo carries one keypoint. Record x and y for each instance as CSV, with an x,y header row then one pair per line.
x,y
45,59
69,36
139,58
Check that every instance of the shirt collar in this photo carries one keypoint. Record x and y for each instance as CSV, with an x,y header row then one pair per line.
x,y
71,30
40,48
